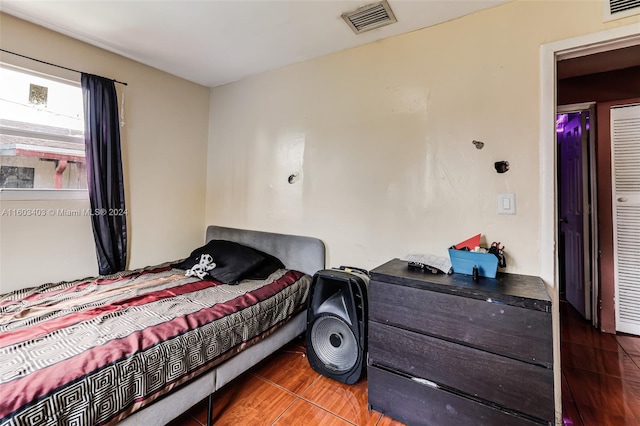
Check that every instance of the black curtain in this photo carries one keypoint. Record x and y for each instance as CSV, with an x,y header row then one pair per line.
x,y
104,172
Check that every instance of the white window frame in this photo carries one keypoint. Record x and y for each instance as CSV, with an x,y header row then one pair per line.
x,y
35,194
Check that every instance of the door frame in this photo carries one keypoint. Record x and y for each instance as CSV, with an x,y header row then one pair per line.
x,y
615,38
549,53
590,230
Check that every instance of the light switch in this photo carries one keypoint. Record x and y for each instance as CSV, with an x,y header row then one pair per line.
x,y
507,203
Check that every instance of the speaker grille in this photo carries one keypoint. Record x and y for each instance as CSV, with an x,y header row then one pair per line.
x,y
334,343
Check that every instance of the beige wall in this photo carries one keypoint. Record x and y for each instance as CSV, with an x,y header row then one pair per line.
x,y
381,136
164,145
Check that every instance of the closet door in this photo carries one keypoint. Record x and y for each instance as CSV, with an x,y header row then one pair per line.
x,y
625,157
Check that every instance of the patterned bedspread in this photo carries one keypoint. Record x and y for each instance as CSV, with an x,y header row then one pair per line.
x,y
91,352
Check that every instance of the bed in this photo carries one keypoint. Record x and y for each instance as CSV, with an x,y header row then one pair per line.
x,y
144,346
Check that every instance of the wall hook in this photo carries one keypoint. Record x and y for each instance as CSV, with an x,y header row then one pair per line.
x,y
478,144
501,166
293,178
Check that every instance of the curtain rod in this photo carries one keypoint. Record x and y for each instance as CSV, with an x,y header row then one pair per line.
x,y
59,66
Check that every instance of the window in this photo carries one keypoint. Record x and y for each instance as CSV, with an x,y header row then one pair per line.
x,y
41,132
16,177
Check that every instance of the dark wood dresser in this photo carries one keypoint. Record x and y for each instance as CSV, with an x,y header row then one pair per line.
x,y
445,350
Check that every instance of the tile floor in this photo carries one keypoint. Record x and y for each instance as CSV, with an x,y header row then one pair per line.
x,y
600,387
600,374
284,390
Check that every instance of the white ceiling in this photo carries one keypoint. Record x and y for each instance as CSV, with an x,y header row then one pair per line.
x,y
213,42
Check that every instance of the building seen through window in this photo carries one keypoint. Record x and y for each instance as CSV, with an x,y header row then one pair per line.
x,y
41,132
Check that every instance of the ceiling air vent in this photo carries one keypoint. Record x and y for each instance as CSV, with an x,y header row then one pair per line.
x,y
616,9
369,17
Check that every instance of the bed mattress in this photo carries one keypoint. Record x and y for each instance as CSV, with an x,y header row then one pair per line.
x,y
94,351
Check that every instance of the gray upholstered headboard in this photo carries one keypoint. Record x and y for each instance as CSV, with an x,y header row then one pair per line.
x,y
305,254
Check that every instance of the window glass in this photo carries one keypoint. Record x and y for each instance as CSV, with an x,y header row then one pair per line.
x,y
41,132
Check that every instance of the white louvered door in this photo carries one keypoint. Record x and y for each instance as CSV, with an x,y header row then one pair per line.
x,y
625,169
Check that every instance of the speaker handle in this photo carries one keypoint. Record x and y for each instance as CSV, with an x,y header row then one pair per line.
x,y
349,268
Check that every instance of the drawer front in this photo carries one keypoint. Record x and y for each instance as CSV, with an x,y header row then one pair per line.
x,y
414,403
519,333
516,385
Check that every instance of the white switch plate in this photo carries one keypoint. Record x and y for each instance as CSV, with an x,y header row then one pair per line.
x,y
507,203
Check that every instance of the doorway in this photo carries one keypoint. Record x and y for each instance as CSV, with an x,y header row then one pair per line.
x,y
550,55
577,218
580,80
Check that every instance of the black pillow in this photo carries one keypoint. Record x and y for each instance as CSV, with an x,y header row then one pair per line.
x,y
268,266
233,261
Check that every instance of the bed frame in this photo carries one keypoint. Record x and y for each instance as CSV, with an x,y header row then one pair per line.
x,y
304,254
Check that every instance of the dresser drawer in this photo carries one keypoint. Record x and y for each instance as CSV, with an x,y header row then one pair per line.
x,y
516,385
415,403
524,334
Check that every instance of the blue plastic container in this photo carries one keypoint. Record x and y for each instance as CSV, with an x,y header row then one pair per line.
x,y
463,262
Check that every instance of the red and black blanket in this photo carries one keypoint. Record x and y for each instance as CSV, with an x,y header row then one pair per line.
x,y
93,351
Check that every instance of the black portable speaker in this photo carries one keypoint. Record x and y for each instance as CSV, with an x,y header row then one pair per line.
x,y
337,323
